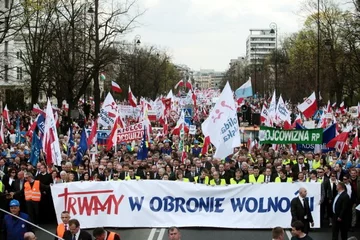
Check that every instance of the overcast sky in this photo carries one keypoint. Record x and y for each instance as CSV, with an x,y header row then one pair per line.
x,y
206,34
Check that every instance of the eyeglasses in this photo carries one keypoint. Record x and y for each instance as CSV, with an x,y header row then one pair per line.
x,y
345,179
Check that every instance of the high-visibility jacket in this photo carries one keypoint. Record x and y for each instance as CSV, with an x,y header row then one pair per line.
x,y
317,180
222,182
32,194
233,181
206,180
128,178
316,165
1,186
111,236
260,179
286,162
278,179
184,180
60,230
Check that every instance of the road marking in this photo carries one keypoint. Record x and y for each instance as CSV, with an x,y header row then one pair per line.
x,y
161,234
152,234
288,234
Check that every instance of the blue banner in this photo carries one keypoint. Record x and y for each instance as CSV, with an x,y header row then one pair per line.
x,y
329,133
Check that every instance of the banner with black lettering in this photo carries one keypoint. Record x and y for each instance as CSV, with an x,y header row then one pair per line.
x,y
269,135
136,204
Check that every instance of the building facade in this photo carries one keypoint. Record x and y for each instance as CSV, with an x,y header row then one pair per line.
x,y
259,44
208,78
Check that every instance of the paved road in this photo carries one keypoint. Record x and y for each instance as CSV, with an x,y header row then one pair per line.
x,y
202,233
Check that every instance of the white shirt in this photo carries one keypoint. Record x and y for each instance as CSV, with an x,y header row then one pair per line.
x,y
348,189
77,235
302,201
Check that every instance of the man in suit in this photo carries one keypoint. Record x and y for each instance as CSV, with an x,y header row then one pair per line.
x,y
102,234
300,210
75,233
299,167
341,213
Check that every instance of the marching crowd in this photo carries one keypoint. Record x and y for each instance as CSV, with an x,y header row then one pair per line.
x,y
255,165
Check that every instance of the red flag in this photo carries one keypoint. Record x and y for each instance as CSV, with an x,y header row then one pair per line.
x,y
206,145
181,83
112,140
309,106
5,114
131,98
48,152
115,87
31,129
38,110
2,140
339,142
165,127
92,137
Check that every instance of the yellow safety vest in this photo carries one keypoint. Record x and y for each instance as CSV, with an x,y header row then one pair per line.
x,y
286,162
128,178
260,179
317,180
206,180
1,186
316,165
233,181
222,182
184,180
278,180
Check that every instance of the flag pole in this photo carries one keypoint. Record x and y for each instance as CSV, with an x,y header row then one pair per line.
x,y
36,226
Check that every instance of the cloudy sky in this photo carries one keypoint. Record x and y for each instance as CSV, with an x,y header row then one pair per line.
x,y
206,34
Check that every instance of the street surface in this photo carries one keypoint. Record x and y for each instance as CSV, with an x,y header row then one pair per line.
x,y
201,233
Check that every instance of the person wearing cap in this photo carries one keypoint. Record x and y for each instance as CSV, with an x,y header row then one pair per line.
x,y
196,150
14,228
102,234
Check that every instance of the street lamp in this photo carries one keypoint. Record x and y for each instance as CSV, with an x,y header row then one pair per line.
x,y
137,40
327,43
273,30
254,49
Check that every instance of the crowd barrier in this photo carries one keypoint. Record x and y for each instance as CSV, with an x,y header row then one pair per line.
x,y
137,204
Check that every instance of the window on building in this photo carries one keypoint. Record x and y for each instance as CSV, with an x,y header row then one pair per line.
x,y
19,55
19,73
6,47
6,73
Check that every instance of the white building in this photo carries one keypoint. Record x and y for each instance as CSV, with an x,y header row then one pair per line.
x,y
259,44
208,78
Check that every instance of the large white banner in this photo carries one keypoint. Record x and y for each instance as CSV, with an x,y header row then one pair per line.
x,y
136,204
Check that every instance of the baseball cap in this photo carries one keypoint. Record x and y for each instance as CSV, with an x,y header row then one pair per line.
x,y
14,203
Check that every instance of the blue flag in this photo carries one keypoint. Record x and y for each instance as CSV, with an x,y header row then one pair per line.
x,y
35,149
143,150
41,123
17,131
70,143
328,134
82,148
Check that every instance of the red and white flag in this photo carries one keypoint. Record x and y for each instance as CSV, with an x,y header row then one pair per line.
x,y
355,144
328,108
6,115
131,98
339,142
309,106
51,139
181,83
38,110
115,87
206,145
342,108
112,140
92,139
2,138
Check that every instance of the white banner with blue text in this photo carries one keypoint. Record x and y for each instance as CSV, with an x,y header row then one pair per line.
x,y
156,203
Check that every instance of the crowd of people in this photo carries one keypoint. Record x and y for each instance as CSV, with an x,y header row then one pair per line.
x,y
261,164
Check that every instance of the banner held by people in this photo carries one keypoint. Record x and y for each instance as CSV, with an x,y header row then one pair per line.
x,y
135,204
269,135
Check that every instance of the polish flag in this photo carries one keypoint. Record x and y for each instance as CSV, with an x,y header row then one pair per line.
x,y
2,138
5,114
342,108
328,108
297,120
309,106
264,118
165,127
355,144
38,110
131,98
31,128
115,87
181,83
333,105
112,140
50,140
92,139
206,145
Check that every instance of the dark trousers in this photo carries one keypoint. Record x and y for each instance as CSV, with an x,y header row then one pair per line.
x,y
33,211
341,227
306,226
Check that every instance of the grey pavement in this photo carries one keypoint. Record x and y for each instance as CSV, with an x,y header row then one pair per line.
x,y
201,233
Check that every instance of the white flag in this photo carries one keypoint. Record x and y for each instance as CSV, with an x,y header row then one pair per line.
x,y
108,112
272,109
282,112
50,125
222,125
